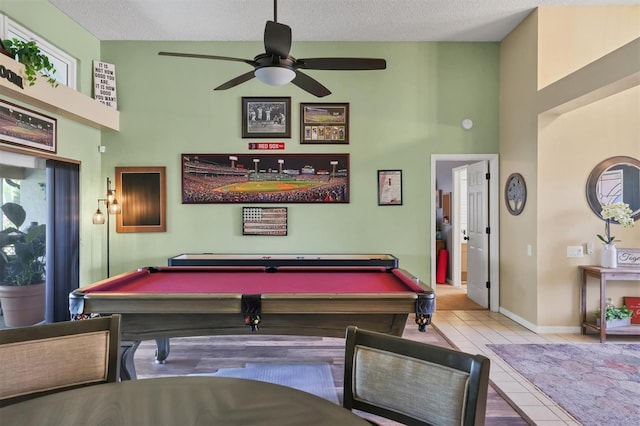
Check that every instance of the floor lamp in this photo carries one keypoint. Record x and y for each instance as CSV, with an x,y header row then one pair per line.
x,y
112,207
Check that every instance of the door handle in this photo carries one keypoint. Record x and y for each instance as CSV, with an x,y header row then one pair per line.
x,y
466,238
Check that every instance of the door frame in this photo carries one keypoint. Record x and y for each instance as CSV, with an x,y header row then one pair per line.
x,y
494,218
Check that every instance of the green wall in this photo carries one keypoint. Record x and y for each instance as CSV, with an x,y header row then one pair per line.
x,y
399,117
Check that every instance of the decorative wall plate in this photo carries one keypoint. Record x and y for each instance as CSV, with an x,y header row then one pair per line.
x,y
515,193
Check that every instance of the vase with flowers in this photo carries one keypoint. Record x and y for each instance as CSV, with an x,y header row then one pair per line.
x,y
616,212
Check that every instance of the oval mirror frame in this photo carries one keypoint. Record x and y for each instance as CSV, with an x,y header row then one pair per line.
x,y
631,184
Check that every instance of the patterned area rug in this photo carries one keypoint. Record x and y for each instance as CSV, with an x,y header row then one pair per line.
x,y
598,384
312,378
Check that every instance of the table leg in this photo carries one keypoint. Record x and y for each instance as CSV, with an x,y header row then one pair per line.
x,y
162,350
603,307
583,303
127,367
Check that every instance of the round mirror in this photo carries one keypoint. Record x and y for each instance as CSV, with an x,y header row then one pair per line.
x,y
616,179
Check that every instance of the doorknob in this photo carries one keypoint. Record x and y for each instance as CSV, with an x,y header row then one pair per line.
x,y
466,238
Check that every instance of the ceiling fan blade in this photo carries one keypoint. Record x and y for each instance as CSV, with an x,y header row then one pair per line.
x,y
236,81
277,39
339,64
311,85
196,55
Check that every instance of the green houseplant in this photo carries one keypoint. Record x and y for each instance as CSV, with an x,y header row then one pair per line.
x,y
34,61
614,316
22,253
22,269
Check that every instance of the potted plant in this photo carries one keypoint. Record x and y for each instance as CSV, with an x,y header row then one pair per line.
x,y
34,61
22,269
614,316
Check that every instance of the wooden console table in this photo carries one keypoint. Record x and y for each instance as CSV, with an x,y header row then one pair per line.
x,y
625,273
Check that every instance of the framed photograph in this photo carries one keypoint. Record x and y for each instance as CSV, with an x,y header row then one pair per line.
x,y
264,221
265,178
142,193
266,117
23,127
389,187
324,123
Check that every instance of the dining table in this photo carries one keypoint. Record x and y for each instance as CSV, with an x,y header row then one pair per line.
x,y
180,401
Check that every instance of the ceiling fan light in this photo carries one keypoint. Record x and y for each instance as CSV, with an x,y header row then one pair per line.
x,y
275,76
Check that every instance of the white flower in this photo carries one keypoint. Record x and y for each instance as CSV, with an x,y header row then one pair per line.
x,y
619,212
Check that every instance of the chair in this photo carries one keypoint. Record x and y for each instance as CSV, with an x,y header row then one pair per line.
x,y
412,382
42,359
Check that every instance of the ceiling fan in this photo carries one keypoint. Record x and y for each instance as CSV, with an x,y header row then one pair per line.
x,y
275,67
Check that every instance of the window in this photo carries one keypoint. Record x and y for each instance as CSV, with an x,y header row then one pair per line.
x,y
64,64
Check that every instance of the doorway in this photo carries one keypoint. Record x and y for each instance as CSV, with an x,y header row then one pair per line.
x,y
449,162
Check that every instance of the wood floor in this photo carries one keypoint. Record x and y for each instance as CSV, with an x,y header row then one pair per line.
x,y
208,354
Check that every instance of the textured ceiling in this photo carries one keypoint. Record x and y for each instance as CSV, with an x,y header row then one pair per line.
x,y
310,20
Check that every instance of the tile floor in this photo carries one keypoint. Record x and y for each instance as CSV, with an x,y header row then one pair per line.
x,y
471,331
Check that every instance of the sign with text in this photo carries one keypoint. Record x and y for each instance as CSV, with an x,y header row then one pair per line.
x,y
629,257
104,83
266,145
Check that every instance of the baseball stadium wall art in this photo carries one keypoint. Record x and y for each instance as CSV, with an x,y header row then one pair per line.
x,y
23,127
324,123
265,178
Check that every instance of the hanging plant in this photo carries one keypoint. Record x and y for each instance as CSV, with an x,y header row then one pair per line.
x,y
34,61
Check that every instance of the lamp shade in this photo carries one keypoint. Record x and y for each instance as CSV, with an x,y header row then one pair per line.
x,y
98,218
114,207
275,75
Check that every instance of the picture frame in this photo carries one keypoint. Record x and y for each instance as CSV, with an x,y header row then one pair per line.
x,y
266,117
324,123
266,221
27,128
265,178
142,194
389,187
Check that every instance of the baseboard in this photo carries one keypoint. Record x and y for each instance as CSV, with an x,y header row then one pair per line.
x,y
539,329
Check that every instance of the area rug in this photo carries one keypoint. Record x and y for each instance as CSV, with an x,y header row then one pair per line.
x,y
598,384
312,378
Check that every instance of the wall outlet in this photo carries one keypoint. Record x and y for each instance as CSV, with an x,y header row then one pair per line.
x,y
575,251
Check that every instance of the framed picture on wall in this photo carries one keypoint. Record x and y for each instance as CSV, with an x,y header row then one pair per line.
x,y
322,123
389,187
271,221
265,178
27,128
141,192
266,117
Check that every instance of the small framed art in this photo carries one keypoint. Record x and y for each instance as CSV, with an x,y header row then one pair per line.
x,y
322,123
27,128
264,221
266,117
389,187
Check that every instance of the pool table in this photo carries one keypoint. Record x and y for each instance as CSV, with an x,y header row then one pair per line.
x,y
175,301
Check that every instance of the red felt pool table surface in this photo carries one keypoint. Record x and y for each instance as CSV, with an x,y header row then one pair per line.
x,y
257,280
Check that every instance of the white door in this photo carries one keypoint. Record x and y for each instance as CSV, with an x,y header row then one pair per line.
x,y
477,236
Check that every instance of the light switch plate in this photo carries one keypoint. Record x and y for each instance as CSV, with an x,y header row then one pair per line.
x,y
575,251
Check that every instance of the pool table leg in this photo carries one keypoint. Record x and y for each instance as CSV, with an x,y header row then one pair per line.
x,y
162,350
127,367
